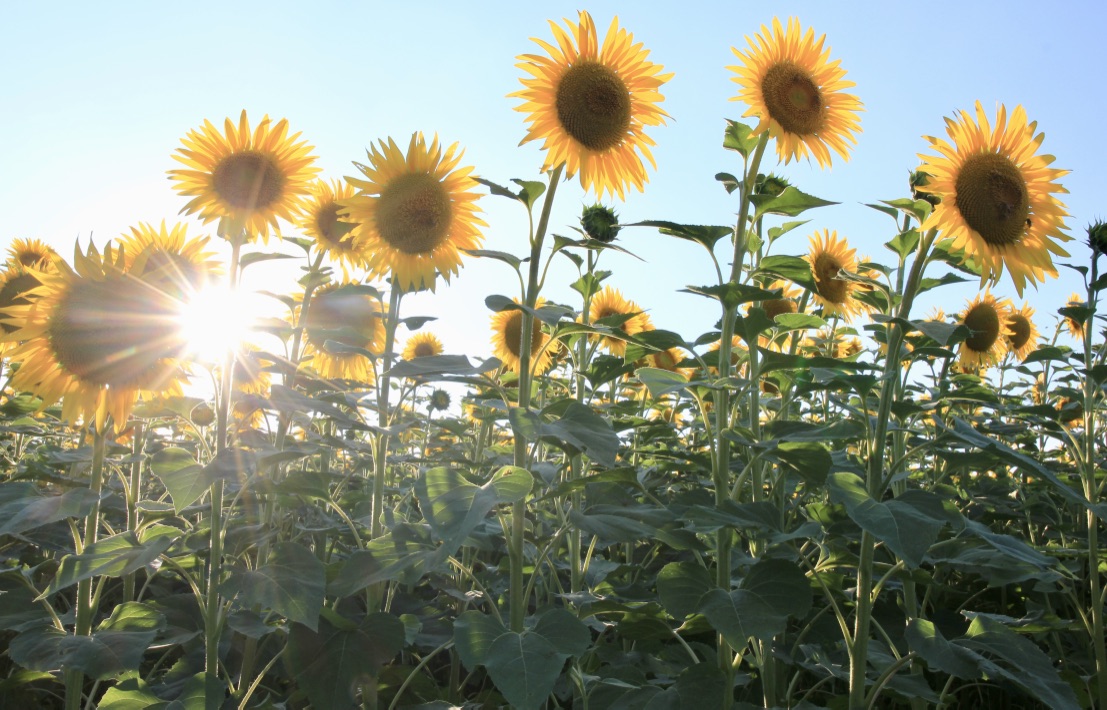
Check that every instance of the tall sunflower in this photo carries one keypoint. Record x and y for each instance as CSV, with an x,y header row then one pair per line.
x,y
797,93
507,340
590,104
246,179
414,213
1022,334
96,337
350,318
332,235
422,345
989,320
997,196
829,257
608,303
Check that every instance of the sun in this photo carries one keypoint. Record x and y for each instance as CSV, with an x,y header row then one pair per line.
x,y
217,320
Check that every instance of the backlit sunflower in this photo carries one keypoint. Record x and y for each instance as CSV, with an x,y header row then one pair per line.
x,y
19,281
414,213
997,196
590,104
609,303
988,319
797,93
246,179
737,351
96,337
350,318
168,259
251,381
830,256
1022,334
507,340
333,236
31,253
1075,325
422,345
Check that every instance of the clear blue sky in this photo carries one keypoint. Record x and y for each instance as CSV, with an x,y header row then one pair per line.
x,y
96,97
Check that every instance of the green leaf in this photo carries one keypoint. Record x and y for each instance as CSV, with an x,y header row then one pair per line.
x,y
790,203
565,632
811,460
661,382
129,693
732,294
133,616
681,585
200,692
474,633
926,640
27,509
705,235
919,209
291,583
772,591
186,480
730,183
798,321
509,259
254,257
524,668
437,366
99,655
530,191
903,243
737,136
793,268
454,507
113,556
585,431
1020,661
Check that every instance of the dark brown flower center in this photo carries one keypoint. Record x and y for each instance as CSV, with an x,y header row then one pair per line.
x,y
992,198
793,99
414,213
14,293
344,316
983,320
593,105
830,287
778,307
329,227
513,334
248,181
1019,326
114,333
424,349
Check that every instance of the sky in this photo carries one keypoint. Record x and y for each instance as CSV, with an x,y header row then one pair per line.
x,y
97,96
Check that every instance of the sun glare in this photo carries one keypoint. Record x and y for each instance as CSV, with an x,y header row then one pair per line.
x,y
217,319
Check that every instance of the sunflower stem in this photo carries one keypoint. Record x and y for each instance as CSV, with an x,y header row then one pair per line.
x,y
133,486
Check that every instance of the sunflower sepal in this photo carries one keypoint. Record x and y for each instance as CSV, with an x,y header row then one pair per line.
x,y
791,203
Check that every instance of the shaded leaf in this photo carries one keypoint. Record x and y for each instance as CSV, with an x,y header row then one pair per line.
x,y
291,583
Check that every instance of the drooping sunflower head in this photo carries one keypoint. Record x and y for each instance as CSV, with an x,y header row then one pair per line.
x,y
829,257
31,254
589,104
1022,334
414,213
351,320
797,93
997,196
507,340
989,320
96,337
247,179
625,315
1074,324
321,222
422,344
167,259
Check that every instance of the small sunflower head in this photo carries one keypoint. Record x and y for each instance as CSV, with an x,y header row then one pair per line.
x,y
989,320
440,400
600,223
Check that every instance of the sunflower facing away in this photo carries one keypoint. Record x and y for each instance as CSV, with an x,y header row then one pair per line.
x,y
507,339
19,280
422,345
1022,334
96,336
828,257
350,318
997,196
168,259
609,303
414,213
796,92
989,320
332,235
246,179
1075,325
590,104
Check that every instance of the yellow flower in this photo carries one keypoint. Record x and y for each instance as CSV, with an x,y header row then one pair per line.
x,y
414,213
96,337
828,257
610,302
19,281
507,340
1076,328
1022,335
737,350
352,320
988,320
997,196
246,179
31,253
796,92
590,104
169,261
333,236
250,380
422,345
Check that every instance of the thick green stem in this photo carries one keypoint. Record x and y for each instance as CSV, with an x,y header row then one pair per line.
x,y
133,490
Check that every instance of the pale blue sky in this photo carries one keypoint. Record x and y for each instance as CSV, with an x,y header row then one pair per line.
x,y
98,95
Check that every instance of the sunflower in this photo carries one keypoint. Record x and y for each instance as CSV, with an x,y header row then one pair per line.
x,y
609,303
19,281
251,380
1075,325
797,94
989,320
422,345
997,202
31,253
1022,334
320,221
96,337
507,339
168,259
737,348
590,104
246,179
828,257
353,320
667,360
414,213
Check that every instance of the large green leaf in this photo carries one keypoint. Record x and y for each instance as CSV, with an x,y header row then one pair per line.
x,y
706,235
739,137
524,668
454,507
23,508
926,640
681,585
186,480
130,692
113,556
565,632
577,429
790,203
99,656
661,382
474,633
437,366
291,583
771,591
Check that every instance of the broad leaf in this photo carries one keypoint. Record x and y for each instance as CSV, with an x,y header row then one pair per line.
x,y
524,668
290,583
772,591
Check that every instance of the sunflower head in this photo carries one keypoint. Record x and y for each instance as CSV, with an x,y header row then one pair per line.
x,y
829,257
247,179
321,222
351,319
422,345
507,340
600,223
609,303
168,260
1074,320
796,92
1022,334
988,320
590,103
31,254
440,400
414,213
997,195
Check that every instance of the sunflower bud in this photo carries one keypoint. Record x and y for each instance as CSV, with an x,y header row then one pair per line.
x,y
770,185
1097,238
600,223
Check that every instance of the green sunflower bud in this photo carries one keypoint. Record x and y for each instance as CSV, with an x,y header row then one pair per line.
x,y
600,223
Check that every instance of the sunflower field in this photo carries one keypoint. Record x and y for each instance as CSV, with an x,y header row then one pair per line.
x,y
827,500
